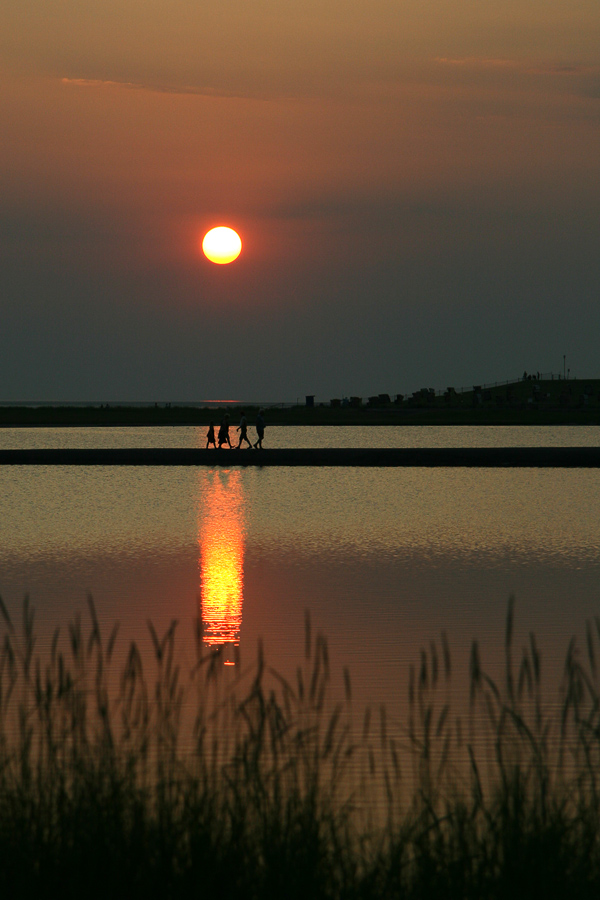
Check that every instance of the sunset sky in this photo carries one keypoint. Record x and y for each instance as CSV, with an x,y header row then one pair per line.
x,y
416,185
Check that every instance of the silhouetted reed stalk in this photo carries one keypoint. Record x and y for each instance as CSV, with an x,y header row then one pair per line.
x,y
246,781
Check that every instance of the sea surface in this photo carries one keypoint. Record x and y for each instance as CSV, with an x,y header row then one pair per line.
x,y
381,560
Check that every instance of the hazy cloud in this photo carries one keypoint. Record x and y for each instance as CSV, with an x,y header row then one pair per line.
x,y
579,79
538,67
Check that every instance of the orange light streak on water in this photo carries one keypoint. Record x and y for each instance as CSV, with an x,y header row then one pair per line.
x,y
221,540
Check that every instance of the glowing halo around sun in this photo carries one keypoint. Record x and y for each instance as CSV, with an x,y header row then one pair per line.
x,y
221,245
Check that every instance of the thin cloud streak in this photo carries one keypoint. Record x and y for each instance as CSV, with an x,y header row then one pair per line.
x,y
156,88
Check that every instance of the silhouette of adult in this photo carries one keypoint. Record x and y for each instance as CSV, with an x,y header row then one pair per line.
x,y
224,432
243,430
260,429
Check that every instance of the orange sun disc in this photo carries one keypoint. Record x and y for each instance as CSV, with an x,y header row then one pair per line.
x,y
221,245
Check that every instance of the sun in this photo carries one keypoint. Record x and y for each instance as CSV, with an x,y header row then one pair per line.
x,y
222,245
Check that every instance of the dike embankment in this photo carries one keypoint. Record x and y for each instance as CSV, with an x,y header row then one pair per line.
x,y
484,457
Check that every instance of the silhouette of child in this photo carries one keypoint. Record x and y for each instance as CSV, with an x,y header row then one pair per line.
x,y
210,436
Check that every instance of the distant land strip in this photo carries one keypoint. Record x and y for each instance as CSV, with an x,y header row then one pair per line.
x,y
471,457
463,413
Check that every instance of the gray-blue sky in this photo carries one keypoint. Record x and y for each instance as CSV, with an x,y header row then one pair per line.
x,y
417,187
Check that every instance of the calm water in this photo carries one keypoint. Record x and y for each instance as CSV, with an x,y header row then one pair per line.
x,y
383,560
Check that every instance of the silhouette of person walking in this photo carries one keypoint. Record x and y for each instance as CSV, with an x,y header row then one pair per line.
x,y
224,432
210,436
260,430
243,430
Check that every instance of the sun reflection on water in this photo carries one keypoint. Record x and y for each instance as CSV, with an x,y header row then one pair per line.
x,y
221,539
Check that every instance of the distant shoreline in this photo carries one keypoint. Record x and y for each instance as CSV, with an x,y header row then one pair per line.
x,y
169,416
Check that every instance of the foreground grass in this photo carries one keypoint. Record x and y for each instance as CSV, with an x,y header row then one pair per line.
x,y
121,776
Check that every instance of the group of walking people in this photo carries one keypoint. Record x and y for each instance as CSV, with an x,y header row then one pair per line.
x,y
223,434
